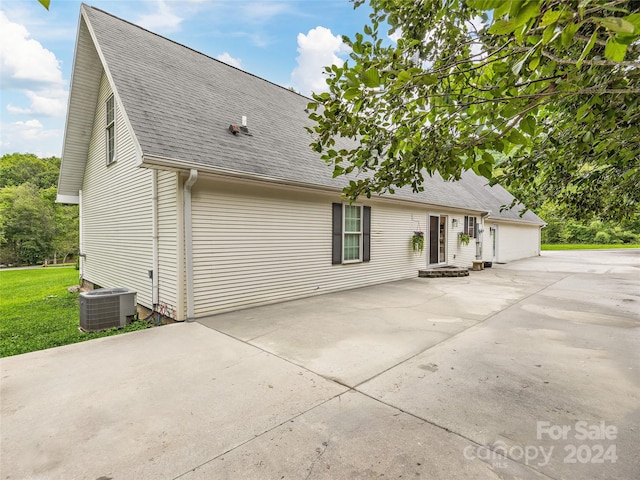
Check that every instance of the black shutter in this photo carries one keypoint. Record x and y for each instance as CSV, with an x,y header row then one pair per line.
x,y
336,245
366,234
466,225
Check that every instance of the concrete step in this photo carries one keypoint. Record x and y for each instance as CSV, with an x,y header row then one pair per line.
x,y
444,271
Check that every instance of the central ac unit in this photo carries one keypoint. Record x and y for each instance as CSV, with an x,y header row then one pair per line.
x,y
106,308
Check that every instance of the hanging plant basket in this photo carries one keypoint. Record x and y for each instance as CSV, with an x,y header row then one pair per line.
x,y
464,238
417,242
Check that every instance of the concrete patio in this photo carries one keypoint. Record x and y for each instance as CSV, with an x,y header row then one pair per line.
x,y
501,374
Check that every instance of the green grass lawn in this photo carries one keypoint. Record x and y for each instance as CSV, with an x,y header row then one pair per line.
x,y
37,311
585,246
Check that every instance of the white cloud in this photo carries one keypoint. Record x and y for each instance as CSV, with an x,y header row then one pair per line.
x,y
162,19
30,136
262,12
317,49
395,35
229,60
24,62
48,102
31,123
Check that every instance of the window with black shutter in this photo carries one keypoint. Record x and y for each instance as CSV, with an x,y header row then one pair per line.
x,y
470,226
351,228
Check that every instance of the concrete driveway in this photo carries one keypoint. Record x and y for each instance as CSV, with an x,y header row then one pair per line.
x,y
529,370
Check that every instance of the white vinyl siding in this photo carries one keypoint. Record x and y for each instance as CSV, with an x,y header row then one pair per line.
x,y
515,241
117,210
458,254
256,244
170,246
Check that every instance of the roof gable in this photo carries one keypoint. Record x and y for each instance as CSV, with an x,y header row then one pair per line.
x,y
180,103
83,97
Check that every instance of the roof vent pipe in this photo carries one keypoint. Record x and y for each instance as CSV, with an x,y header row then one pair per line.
x,y
244,121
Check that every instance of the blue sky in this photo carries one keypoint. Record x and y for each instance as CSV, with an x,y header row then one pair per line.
x,y
287,42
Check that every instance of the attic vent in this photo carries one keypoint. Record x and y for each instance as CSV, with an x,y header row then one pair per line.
x,y
235,129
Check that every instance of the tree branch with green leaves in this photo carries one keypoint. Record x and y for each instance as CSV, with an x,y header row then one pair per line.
x,y
538,95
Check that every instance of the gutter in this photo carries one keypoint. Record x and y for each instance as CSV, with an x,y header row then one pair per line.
x,y
153,162
188,240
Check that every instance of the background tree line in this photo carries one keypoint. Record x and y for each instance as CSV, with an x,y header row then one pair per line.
x,y
562,228
33,227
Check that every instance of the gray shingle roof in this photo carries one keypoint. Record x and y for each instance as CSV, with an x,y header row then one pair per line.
x,y
181,102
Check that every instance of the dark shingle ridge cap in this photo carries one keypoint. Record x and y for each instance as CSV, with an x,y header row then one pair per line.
x,y
194,50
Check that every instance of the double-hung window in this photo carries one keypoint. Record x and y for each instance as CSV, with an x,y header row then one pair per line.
x,y
111,131
351,233
471,226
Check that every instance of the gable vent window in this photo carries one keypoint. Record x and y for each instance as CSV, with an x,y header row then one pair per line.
x,y
471,226
351,233
111,131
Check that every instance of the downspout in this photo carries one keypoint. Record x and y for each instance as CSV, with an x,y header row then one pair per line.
x,y
155,273
188,243
81,255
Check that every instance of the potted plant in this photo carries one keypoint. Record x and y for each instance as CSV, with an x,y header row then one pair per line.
x,y
417,241
464,238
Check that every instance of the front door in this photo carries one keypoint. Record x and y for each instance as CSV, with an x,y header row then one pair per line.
x,y
437,239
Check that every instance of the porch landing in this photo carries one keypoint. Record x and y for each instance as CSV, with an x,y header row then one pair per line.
x,y
444,271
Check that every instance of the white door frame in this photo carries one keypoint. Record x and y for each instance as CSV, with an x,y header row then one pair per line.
x,y
440,245
494,242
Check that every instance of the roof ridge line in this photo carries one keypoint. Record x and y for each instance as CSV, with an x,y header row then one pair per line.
x,y
193,50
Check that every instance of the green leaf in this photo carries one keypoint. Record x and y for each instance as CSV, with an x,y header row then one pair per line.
x,y
528,125
514,7
45,3
503,27
371,78
634,19
548,34
533,64
567,34
351,93
404,77
485,4
530,10
550,17
615,51
616,24
427,79
587,49
582,111
501,10
484,170
517,138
